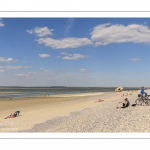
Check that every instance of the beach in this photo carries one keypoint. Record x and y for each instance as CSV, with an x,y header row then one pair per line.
x,y
85,112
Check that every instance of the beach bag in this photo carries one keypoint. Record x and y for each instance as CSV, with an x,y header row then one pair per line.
x,y
133,104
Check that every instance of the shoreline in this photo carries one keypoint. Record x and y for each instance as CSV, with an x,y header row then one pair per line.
x,y
59,95
48,95
39,109
54,96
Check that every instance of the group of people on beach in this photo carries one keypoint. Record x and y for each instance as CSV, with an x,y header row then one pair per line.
x,y
126,94
126,102
16,113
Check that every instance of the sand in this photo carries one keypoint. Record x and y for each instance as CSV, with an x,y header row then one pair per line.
x,y
63,113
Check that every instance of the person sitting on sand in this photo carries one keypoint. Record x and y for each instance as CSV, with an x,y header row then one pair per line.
x,y
13,115
10,116
125,103
17,112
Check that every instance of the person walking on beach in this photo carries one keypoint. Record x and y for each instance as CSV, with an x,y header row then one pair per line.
x,y
11,99
125,103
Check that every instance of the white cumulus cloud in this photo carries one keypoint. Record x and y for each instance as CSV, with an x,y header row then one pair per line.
x,y
74,56
65,42
135,59
41,32
6,59
107,33
44,55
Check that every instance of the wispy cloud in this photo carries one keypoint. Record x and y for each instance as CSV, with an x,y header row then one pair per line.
x,y
44,74
29,75
41,32
65,42
83,70
44,55
69,25
24,61
58,57
73,56
21,75
13,67
1,70
64,53
1,23
135,59
47,70
104,34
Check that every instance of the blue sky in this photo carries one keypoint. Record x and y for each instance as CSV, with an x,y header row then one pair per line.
x,y
75,52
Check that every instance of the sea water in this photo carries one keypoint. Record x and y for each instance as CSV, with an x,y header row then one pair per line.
x,y
16,92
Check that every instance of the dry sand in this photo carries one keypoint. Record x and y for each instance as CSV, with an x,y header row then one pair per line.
x,y
37,110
